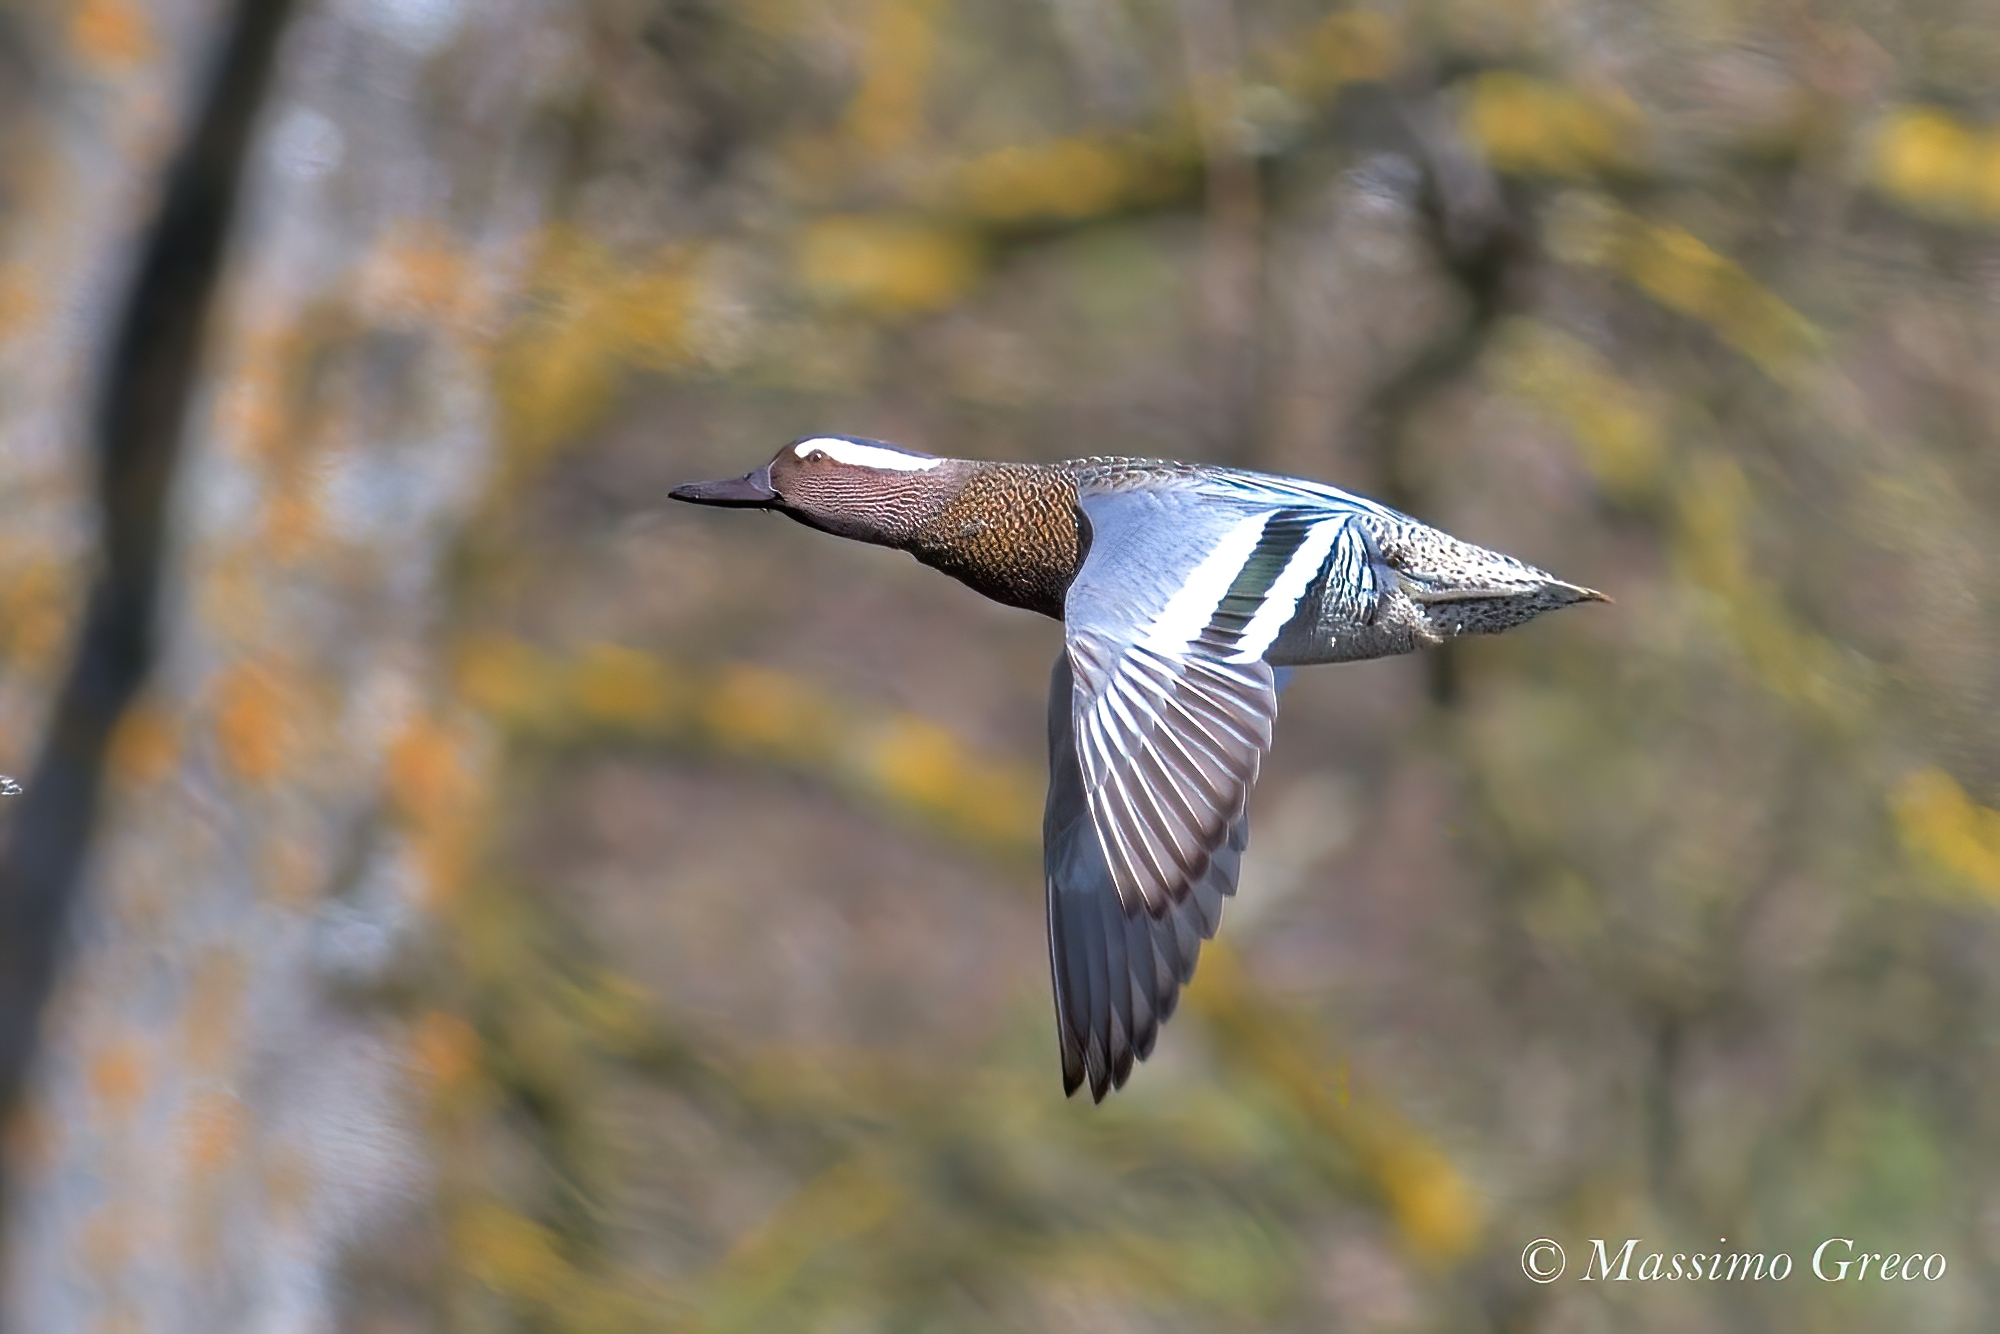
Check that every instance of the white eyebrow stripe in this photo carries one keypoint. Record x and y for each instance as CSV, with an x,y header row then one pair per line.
x,y
865,456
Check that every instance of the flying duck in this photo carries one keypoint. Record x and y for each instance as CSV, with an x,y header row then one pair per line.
x,y
1183,589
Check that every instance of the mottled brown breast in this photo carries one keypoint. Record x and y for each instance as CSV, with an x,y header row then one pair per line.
x,y
1013,532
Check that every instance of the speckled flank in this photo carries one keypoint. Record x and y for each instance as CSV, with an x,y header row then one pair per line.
x,y
1013,533
1431,587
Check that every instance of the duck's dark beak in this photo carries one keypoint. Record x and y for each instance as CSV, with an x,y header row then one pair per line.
x,y
750,491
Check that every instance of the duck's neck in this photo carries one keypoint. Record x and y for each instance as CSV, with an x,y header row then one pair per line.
x,y
1011,531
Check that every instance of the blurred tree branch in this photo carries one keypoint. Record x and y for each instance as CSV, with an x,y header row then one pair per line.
x,y
1233,218
148,380
1480,240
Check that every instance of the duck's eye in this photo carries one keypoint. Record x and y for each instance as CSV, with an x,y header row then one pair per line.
x,y
817,456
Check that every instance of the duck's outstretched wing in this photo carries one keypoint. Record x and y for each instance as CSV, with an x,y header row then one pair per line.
x,y
1160,712
1118,971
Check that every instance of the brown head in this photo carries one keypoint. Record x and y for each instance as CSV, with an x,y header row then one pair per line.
x,y
844,485
1010,530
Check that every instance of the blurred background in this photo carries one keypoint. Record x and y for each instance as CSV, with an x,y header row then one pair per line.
x,y
521,904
